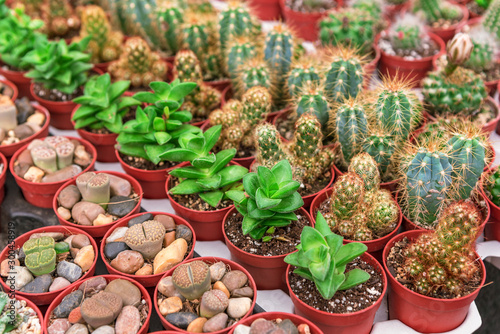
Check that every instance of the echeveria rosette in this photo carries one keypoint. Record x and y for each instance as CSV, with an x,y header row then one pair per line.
x,y
102,104
208,176
322,258
59,66
157,128
271,202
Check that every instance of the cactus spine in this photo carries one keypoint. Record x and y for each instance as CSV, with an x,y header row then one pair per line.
x,y
491,19
312,99
170,18
303,71
364,166
344,75
238,51
236,21
253,72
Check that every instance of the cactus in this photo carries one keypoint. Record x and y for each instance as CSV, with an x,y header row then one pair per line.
x,y
482,57
212,62
270,149
170,17
435,10
312,99
192,279
407,32
441,128
350,128
238,51
60,18
366,167
303,71
382,214
138,64
253,72
347,196
236,21
491,19
381,146
40,255
198,35
344,75
94,187
492,187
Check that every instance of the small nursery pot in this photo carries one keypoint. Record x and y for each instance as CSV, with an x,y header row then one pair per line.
x,y
42,194
266,10
47,297
9,150
371,68
411,69
19,79
268,271
3,176
102,67
35,308
147,280
425,314
376,246
359,322
145,295
297,320
15,91
98,231
209,260
103,143
447,33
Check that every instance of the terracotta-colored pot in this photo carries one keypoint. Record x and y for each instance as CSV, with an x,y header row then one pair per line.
x,y
306,25
152,181
18,78
47,297
371,67
376,246
392,186
209,260
146,280
9,150
359,322
415,70
392,11
492,229
409,225
425,314
297,320
447,33
145,295
268,271
3,176
266,10
99,231
103,143
29,303
227,94
15,91
42,194
102,67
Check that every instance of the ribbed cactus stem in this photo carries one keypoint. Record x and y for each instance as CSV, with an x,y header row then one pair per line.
x,y
308,139
170,18
235,21
279,49
269,145
256,105
344,76
65,153
304,71
383,214
347,196
44,158
366,168
252,73
381,147
491,19
8,115
196,34
239,51
312,100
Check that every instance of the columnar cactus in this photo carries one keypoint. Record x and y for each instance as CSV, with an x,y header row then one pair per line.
x,y
303,71
238,51
279,51
270,149
366,167
436,10
407,32
491,19
170,17
198,35
253,72
347,196
139,18
236,21
138,64
312,99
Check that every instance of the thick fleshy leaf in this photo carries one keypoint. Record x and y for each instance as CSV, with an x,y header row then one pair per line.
x,y
178,92
349,252
159,124
236,196
133,150
181,116
304,272
204,162
210,183
319,270
118,88
264,202
146,97
108,114
255,212
258,232
189,172
155,151
212,197
172,124
329,287
292,259
161,88
310,238
354,278
162,137
276,222
334,242
285,215
248,224
81,123
186,187
179,155
231,174
286,188
290,203
211,137
222,158
322,226
116,126
282,171
317,254
251,184
267,180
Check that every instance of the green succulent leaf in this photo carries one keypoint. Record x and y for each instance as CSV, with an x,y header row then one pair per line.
x,y
210,183
187,187
231,174
354,278
204,162
251,184
189,172
264,202
290,203
349,252
285,189
179,91
304,272
248,224
255,212
213,198
237,196
282,171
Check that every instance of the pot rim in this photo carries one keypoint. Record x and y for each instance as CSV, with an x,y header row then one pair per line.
x,y
15,90
138,170
456,26
280,315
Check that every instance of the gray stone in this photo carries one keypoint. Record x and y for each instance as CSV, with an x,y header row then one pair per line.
x,y
234,279
288,327
182,231
69,271
243,292
23,131
68,304
216,323
181,319
24,109
120,206
78,329
93,285
20,278
140,219
69,196
112,249
41,284
119,186
104,330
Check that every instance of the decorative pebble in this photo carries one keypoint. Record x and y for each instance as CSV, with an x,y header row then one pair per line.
x,y
57,236
212,303
216,323
112,249
62,174
120,206
181,319
217,271
147,269
140,219
93,285
101,309
169,238
128,262
6,265
243,292
41,284
170,305
64,213
22,276
197,325
242,329
234,279
104,330
184,232
78,329
34,174
68,304
119,186
129,321
304,329
220,286
84,213
69,271
167,222
238,307
262,326
167,288
85,257
170,256
69,196
80,241
75,316
130,294
117,234
59,283
103,219
59,326
288,327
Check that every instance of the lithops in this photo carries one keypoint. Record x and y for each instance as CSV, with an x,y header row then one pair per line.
x,y
192,279
146,238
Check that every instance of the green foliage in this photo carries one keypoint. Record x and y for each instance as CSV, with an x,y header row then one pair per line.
x,y
157,128
435,10
493,187
322,258
271,202
9,319
102,104
40,255
59,66
406,33
482,57
313,99
491,18
208,176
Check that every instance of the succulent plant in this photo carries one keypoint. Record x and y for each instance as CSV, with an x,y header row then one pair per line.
x,y
146,238
239,50
322,259
157,128
138,64
482,57
94,187
18,36
304,71
366,167
60,18
313,99
58,66
491,18
441,263
8,115
208,176
102,104
492,187
271,202
435,10
53,153
9,318
407,32
381,146
251,73
236,21
192,279
170,17
40,255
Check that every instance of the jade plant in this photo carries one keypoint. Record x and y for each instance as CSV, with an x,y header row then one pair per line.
x,y
322,258
208,174
18,36
102,104
271,202
157,128
9,318
58,66
40,255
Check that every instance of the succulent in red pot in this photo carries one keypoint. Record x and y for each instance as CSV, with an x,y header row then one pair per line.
x,y
19,315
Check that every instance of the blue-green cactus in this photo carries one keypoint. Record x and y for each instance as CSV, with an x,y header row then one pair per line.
x,y
344,76
239,50
381,147
236,21
303,71
312,99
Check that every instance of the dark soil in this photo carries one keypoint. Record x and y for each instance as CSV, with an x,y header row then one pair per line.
x,y
428,48
54,94
194,201
245,152
347,301
395,262
284,238
142,163
303,6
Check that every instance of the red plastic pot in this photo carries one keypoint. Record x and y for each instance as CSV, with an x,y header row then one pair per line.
x,y
42,194
102,67
220,85
17,78
9,150
493,228
60,112
375,247
147,280
297,320
415,70
209,260
15,91
47,297
3,176
145,295
268,271
266,10
426,314
359,322
99,231
371,67
447,33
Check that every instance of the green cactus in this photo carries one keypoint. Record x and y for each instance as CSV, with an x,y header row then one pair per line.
x,y
212,62
170,17
253,72
344,75
435,10
492,187
407,32
383,213
60,18
40,255
491,18
236,21
192,279
312,99
303,71
482,57
9,318
270,149
198,34
366,167
94,187
347,196
239,50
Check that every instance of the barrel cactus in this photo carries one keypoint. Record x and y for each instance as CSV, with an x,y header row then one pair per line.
x,y
313,99
304,71
381,146
344,73
366,167
492,187
482,57
236,21
238,51
407,33
251,73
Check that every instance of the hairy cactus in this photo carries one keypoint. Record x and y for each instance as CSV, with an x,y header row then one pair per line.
x,y
366,167
236,21
491,18
347,196
253,72
344,75
40,255
303,71
94,187
383,213
138,64
312,99
238,51
407,32
192,279
482,57
270,149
